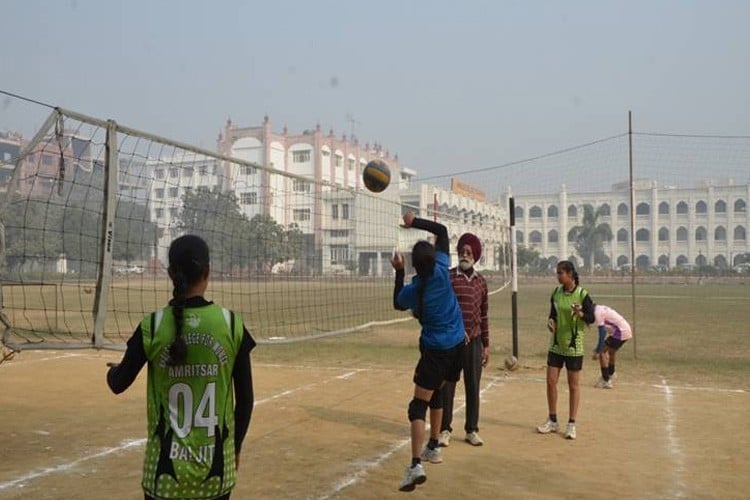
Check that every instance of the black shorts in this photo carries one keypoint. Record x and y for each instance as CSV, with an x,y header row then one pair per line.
x,y
614,343
572,363
436,366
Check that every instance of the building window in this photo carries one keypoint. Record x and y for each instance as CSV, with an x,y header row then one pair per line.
x,y
642,235
301,156
664,234
48,160
720,207
519,212
351,164
682,208
159,173
663,208
173,211
739,233
519,236
701,207
622,235
739,206
173,172
604,209
642,209
535,212
159,193
338,161
700,234
300,186
249,198
345,211
720,234
173,192
325,153
572,211
247,170
203,170
622,209
535,236
552,237
159,213
334,211
301,214
339,254
681,234
339,233
552,211
189,171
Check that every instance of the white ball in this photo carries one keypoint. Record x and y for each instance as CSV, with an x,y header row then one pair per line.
x,y
511,363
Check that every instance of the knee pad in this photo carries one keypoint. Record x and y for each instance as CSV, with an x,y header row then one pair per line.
x,y
436,402
417,409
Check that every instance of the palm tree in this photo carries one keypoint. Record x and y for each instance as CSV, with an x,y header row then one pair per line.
x,y
589,237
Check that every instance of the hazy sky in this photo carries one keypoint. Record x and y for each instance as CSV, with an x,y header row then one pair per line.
x,y
450,86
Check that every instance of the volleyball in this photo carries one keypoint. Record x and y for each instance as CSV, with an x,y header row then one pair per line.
x,y
376,176
511,363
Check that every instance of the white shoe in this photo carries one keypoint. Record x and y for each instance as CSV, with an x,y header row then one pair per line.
x,y
570,431
547,427
608,384
433,456
473,439
414,476
444,439
601,383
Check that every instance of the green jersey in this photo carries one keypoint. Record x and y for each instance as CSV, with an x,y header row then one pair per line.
x,y
567,340
190,446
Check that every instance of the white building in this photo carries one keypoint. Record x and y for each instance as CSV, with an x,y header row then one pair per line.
x,y
673,227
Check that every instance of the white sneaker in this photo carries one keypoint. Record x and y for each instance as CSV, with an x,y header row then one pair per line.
x,y
414,476
570,431
433,456
473,439
601,383
444,439
547,427
608,384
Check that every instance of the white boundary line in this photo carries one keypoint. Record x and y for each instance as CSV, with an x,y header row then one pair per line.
x,y
127,444
133,443
366,466
673,444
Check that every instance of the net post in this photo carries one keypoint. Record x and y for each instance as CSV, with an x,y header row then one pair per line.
x,y
107,235
514,274
632,226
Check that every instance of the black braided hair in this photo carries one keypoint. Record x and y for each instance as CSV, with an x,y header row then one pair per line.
x,y
423,259
188,264
567,266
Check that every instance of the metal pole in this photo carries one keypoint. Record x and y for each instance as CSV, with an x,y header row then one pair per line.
x,y
632,228
514,274
111,171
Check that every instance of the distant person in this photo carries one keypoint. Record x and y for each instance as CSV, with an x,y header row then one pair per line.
x,y
614,331
432,301
199,388
571,309
471,291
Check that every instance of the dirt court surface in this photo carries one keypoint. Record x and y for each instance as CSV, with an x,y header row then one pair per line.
x,y
338,432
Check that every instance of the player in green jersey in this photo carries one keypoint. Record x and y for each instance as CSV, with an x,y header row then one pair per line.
x,y
198,357
571,310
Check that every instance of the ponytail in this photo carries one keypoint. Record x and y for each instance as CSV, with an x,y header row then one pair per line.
x,y
178,347
188,264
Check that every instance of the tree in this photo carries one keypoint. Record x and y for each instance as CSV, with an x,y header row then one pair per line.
x,y
216,217
589,237
134,232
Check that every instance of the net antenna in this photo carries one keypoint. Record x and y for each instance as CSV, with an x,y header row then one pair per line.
x,y
352,124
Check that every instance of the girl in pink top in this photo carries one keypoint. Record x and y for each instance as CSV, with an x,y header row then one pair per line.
x,y
614,331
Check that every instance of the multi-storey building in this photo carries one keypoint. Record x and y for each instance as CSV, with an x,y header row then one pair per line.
x,y
705,225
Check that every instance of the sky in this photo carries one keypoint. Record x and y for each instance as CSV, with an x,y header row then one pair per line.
x,y
449,86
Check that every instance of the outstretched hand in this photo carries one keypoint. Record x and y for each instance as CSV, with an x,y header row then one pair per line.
x,y
397,261
408,219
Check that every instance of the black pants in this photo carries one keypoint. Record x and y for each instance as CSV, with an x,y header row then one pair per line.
x,y
472,368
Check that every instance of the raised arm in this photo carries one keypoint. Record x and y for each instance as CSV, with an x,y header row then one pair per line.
x,y
442,242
